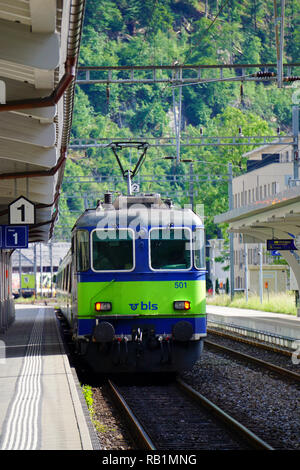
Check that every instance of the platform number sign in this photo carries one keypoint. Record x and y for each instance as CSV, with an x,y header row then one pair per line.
x,y
14,236
21,211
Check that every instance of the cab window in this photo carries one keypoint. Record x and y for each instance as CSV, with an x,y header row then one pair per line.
x,y
170,248
113,250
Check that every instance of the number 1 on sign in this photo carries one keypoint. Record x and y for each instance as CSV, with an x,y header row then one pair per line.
x,y
15,235
22,209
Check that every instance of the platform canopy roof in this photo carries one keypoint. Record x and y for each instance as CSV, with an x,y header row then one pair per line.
x,y
276,217
39,46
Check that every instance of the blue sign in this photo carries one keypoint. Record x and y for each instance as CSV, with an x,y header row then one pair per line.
x,y
281,245
275,253
13,236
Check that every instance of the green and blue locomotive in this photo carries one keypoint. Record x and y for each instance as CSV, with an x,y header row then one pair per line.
x,y
132,286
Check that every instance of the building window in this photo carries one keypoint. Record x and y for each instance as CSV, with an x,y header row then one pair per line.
x,y
273,188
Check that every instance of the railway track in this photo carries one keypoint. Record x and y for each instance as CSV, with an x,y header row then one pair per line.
x,y
269,365
252,342
176,417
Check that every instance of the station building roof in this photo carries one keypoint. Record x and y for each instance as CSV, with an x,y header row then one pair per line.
x,y
276,216
39,46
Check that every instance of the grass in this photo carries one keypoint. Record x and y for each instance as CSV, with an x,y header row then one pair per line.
x,y
88,395
277,303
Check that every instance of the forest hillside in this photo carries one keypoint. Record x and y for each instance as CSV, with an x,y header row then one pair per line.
x,y
165,32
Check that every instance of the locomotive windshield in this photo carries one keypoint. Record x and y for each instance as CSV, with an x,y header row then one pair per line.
x,y
170,248
113,250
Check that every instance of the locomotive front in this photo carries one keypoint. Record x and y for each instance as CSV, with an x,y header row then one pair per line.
x,y
139,286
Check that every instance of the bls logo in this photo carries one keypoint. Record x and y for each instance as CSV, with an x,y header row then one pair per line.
x,y
144,306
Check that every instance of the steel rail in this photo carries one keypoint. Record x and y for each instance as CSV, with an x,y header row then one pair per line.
x,y
267,347
145,441
260,362
234,425
136,428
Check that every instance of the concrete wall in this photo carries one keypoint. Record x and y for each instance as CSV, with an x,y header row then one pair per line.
x,y
216,269
275,276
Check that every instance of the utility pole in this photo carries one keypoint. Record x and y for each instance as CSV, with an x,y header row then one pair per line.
x,y
34,270
213,269
177,117
231,252
192,185
41,272
129,190
280,64
51,269
85,201
261,273
20,271
295,124
246,269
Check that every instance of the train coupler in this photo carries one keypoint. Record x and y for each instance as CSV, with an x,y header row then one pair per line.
x,y
165,349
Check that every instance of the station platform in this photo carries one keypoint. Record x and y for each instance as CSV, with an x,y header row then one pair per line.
x,y
277,324
41,404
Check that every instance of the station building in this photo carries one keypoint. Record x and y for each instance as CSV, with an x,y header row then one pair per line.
x,y
218,265
269,172
39,259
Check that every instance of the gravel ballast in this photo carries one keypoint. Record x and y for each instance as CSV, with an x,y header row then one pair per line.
x,y
265,403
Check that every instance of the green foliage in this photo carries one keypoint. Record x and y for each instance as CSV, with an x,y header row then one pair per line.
x,y
88,395
136,32
276,303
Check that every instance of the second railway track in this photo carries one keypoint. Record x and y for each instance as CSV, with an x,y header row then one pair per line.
x,y
252,353
176,417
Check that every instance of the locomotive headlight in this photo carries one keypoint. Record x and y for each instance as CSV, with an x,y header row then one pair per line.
x,y
182,305
102,306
